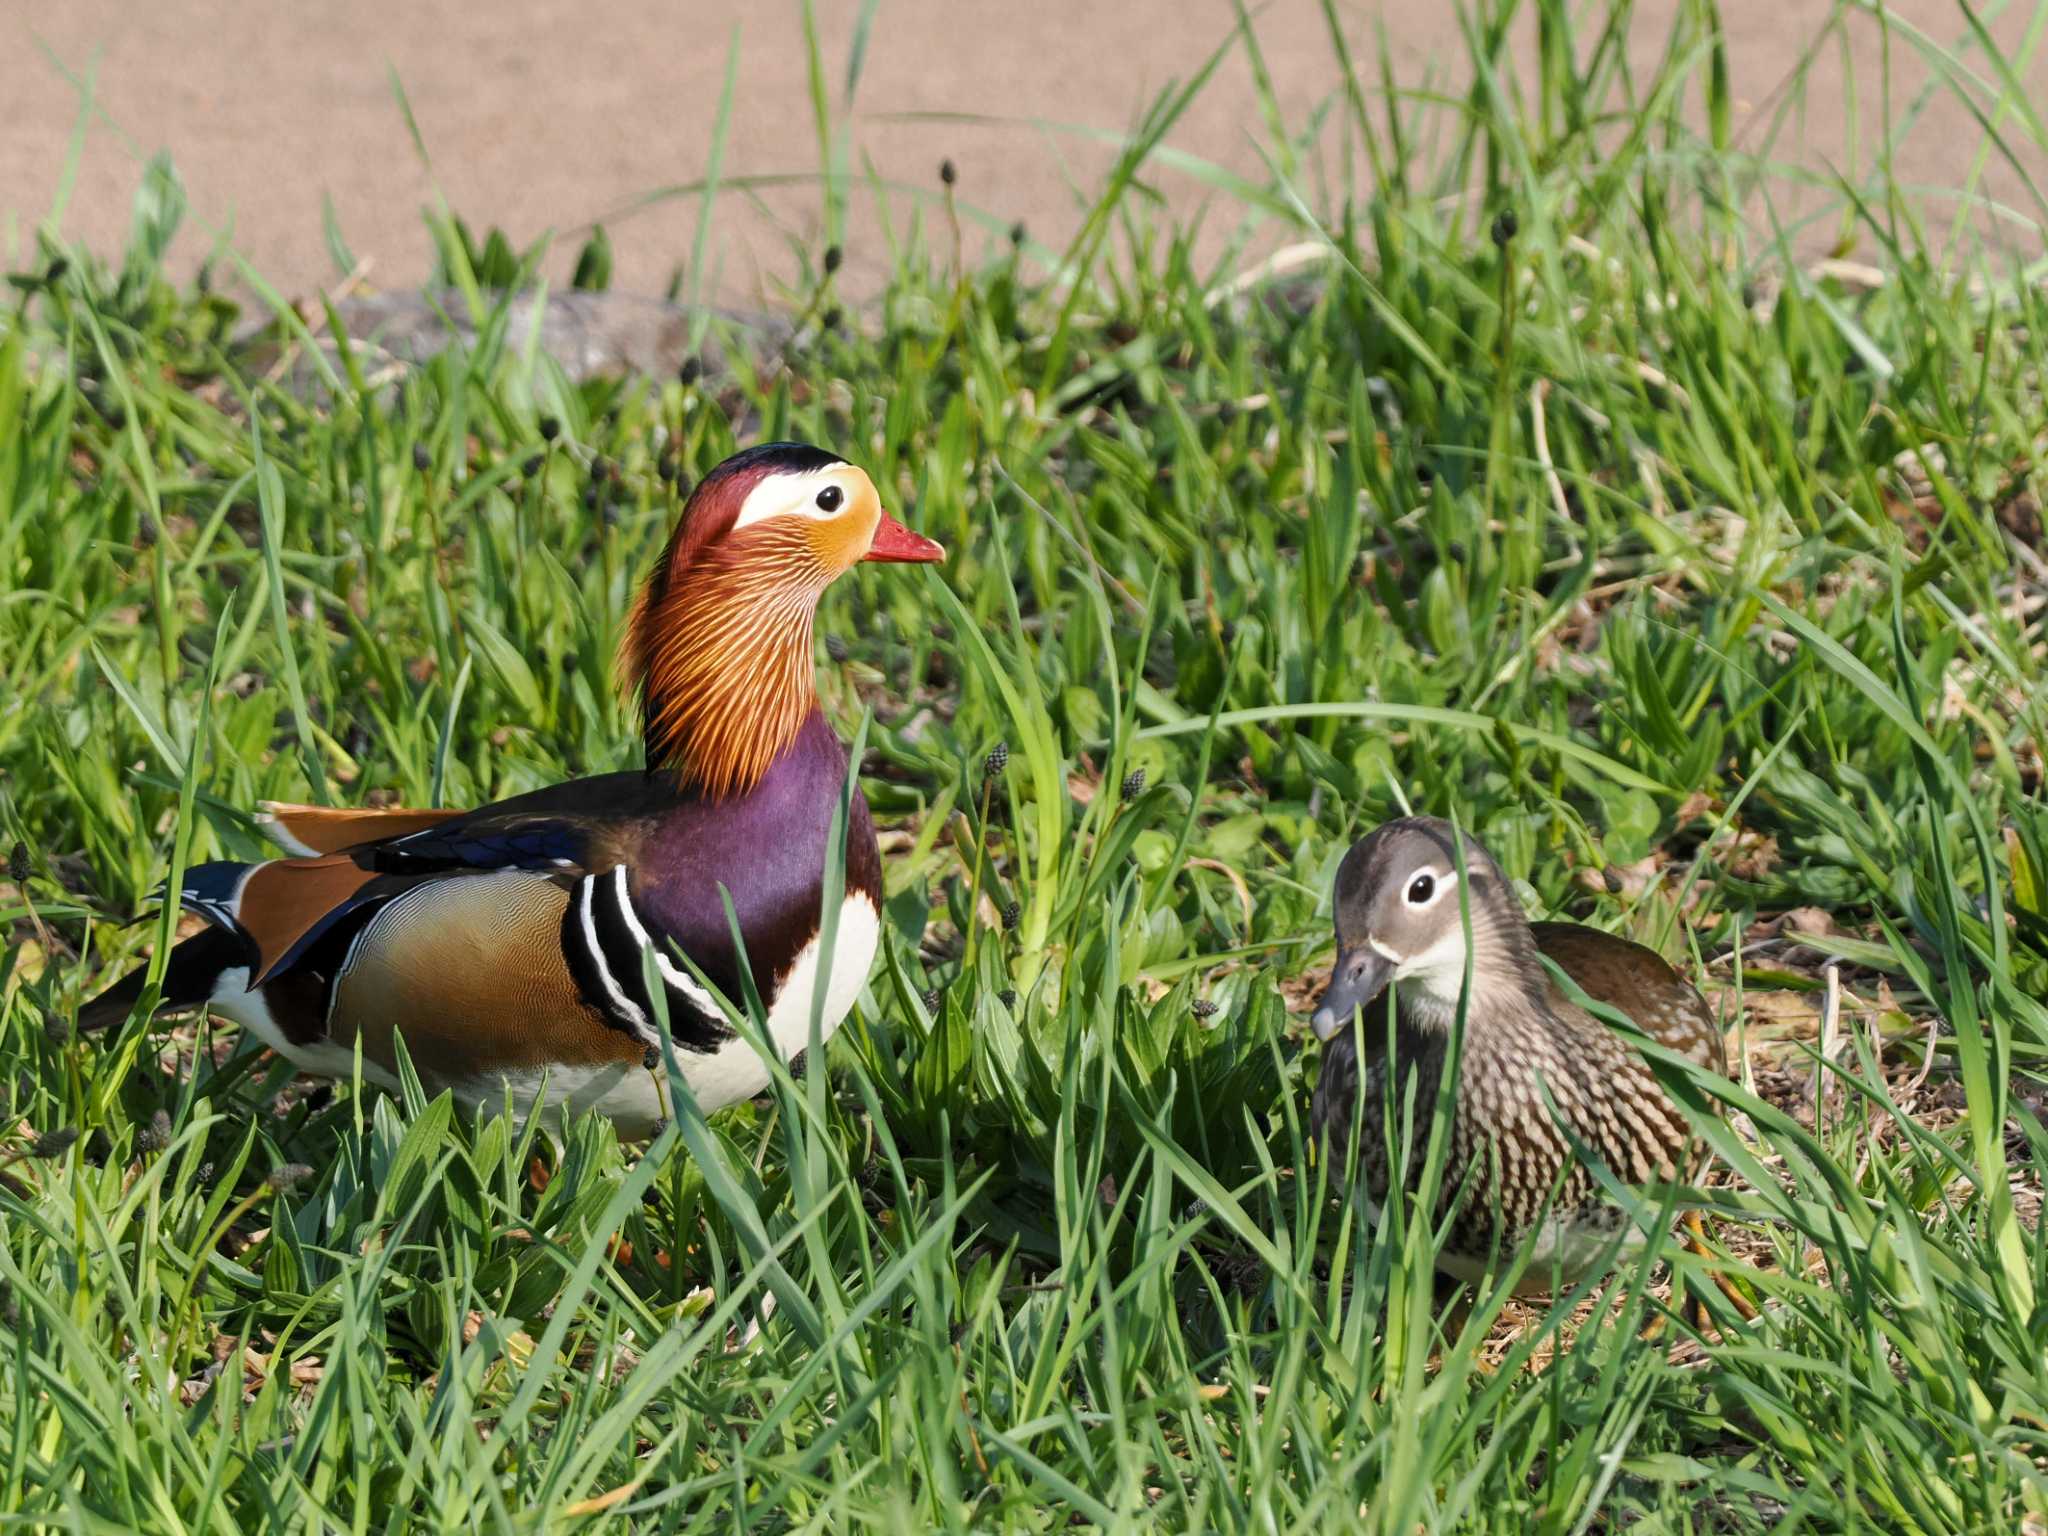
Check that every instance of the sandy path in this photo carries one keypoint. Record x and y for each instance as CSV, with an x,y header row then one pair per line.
x,y
536,116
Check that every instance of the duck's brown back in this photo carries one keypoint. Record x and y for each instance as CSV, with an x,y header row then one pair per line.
x,y
1635,980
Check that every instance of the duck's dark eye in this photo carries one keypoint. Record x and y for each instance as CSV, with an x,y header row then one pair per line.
x,y
1420,889
830,498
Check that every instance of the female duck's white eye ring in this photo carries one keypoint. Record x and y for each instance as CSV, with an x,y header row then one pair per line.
x,y
1421,890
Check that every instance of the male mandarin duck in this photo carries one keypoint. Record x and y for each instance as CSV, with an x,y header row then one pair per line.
x,y
1537,1072
506,942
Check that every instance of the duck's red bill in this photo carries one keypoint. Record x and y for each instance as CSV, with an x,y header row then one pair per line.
x,y
893,541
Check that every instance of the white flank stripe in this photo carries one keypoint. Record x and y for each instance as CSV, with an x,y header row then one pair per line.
x,y
586,913
348,960
671,973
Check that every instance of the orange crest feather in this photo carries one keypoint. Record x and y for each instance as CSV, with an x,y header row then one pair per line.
x,y
719,648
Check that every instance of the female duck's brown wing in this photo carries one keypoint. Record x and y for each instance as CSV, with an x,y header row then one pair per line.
x,y
1636,981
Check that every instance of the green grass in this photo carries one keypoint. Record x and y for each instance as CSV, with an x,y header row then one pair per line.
x,y
1702,588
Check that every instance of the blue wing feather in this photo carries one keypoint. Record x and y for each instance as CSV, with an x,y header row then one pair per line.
x,y
480,842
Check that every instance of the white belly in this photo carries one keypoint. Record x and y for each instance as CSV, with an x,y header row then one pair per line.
x,y
625,1093
735,1070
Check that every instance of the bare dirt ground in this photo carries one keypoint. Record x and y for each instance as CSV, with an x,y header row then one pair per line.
x,y
541,116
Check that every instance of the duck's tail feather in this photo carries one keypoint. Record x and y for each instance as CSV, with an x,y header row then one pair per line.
x,y
194,970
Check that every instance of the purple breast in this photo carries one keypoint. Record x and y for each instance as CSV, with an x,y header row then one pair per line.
x,y
767,848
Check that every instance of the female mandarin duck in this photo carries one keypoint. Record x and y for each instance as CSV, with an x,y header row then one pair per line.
x,y
1537,1071
507,942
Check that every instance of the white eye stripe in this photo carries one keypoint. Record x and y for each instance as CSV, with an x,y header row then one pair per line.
x,y
792,492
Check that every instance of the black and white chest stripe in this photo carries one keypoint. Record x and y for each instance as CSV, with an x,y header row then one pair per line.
x,y
605,939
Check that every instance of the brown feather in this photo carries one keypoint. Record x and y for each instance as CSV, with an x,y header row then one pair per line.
x,y
722,654
297,1000
718,646
283,899
326,829
707,517
1638,982
471,971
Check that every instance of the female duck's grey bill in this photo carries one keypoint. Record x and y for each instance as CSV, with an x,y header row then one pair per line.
x,y
1359,976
